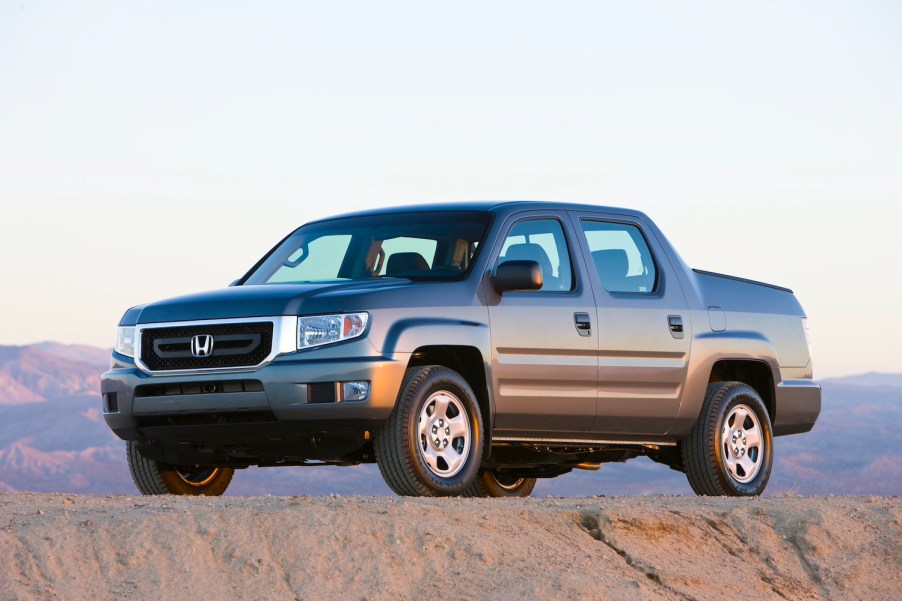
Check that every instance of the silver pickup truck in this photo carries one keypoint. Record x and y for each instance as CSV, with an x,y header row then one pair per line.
x,y
467,349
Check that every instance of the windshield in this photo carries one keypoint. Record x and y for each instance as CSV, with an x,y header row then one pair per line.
x,y
435,245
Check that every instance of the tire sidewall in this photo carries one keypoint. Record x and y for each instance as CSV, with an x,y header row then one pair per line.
x,y
437,380
153,477
744,395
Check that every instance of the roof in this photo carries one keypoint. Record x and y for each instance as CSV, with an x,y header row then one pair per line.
x,y
495,206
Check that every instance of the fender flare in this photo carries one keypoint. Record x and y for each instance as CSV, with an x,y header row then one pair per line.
x,y
709,348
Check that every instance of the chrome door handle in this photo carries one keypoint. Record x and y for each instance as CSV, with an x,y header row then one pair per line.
x,y
676,325
583,323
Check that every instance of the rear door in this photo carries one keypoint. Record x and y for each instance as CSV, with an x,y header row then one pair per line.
x,y
544,365
643,325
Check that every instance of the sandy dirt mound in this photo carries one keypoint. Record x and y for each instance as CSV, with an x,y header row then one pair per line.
x,y
87,547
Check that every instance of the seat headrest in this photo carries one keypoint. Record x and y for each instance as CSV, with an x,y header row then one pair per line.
x,y
612,264
406,263
529,252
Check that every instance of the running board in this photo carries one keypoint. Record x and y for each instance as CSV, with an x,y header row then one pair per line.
x,y
583,441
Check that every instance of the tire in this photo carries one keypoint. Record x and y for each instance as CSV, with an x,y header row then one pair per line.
x,y
156,478
492,483
723,456
431,445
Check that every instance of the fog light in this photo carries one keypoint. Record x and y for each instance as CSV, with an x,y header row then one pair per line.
x,y
355,391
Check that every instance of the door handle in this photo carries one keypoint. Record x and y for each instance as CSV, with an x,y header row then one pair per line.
x,y
676,325
583,323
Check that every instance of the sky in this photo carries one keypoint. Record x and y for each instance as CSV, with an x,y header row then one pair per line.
x,y
155,149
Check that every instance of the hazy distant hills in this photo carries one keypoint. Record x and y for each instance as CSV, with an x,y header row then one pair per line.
x,y
870,379
53,439
33,374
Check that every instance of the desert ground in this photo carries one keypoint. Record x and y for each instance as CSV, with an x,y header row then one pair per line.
x,y
93,547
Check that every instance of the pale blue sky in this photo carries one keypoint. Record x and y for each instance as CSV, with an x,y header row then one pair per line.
x,y
765,138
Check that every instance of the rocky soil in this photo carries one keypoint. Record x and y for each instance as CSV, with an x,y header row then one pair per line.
x,y
96,547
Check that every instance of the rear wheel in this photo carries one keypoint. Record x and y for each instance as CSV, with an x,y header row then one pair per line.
x,y
431,444
498,483
730,449
156,478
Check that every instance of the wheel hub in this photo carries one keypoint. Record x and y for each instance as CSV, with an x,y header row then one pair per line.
x,y
441,434
739,443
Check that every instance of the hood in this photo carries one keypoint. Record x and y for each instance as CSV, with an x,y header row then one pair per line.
x,y
258,301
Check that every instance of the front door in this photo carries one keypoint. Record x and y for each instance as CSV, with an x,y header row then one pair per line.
x,y
544,363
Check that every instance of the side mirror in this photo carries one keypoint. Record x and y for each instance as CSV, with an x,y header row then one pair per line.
x,y
517,276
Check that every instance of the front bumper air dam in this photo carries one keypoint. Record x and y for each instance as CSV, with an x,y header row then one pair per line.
x,y
284,391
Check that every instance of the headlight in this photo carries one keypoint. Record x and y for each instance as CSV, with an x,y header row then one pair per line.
x,y
125,341
323,329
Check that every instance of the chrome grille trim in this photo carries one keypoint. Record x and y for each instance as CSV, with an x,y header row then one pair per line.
x,y
284,340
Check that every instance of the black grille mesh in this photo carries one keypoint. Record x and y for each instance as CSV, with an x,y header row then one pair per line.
x,y
321,392
255,355
111,402
181,388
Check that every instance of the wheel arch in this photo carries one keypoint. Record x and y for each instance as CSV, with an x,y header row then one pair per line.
x,y
755,373
747,357
469,362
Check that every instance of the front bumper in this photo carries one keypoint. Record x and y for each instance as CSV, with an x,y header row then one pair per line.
x,y
262,413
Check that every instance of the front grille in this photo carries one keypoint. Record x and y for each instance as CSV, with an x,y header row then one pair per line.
x,y
212,387
233,345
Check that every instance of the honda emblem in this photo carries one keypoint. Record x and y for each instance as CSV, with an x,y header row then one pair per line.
x,y
202,345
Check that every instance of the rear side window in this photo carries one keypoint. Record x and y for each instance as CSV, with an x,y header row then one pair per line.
x,y
621,257
541,240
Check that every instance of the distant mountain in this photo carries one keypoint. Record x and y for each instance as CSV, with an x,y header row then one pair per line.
x,y
79,353
53,439
32,374
870,379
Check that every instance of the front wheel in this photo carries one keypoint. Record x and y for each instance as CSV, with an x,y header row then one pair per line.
x,y
156,478
431,444
729,451
500,484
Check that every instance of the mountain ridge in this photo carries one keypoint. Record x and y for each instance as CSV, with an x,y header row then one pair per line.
x,y
869,379
32,374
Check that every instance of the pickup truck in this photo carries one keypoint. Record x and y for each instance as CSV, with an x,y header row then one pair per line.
x,y
467,349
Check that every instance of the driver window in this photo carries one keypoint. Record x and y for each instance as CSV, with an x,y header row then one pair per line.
x,y
541,240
